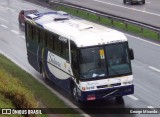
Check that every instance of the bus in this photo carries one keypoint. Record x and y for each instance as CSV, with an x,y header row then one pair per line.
x,y
88,60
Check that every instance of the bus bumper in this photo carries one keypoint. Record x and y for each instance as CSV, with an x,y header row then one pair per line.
x,y
106,93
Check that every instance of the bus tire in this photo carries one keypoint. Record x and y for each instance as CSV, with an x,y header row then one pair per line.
x,y
119,99
43,74
74,92
130,2
143,2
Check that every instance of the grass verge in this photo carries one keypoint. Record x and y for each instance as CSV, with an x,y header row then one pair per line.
x,y
23,90
6,103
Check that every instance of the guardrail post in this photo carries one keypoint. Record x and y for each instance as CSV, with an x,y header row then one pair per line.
x,y
141,29
77,11
99,18
126,26
112,22
87,14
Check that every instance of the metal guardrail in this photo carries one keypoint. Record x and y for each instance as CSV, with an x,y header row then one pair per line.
x,y
126,21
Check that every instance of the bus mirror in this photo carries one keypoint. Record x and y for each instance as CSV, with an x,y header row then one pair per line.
x,y
131,53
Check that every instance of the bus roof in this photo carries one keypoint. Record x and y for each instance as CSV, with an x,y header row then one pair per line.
x,y
82,32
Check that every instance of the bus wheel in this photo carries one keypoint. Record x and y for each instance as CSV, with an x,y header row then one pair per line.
x,y
143,2
43,74
119,99
131,2
74,92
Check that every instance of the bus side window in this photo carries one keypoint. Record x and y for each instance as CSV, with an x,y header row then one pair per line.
x,y
50,41
65,50
57,45
74,56
45,38
34,33
42,37
37,35
29,31
74,61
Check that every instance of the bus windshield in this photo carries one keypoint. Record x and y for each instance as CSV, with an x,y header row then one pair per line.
x,y
106,60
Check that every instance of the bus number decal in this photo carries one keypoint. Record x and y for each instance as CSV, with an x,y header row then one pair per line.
x,y
63,39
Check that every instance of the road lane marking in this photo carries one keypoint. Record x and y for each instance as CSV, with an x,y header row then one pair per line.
x,y
14,31
155,69
138,38
10,9
13,10
127,8
133,97
22,37
3,19
4,26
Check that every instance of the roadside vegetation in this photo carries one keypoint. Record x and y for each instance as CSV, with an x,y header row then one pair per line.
x,y
6,103
135,29
18,89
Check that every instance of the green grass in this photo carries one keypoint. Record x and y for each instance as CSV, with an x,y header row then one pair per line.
x,y
13,89
25,91
150,34
29,82
7,103
106,21
134,29
119,25
13,94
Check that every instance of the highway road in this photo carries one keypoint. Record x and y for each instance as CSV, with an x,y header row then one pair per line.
x,y
148,13
146,66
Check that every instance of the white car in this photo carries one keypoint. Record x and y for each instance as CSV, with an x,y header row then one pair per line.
x,y
134,1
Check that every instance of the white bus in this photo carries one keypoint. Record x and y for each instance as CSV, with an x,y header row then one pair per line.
x,y
88,60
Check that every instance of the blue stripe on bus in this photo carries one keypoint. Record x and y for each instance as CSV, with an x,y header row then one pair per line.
x,y
63,83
